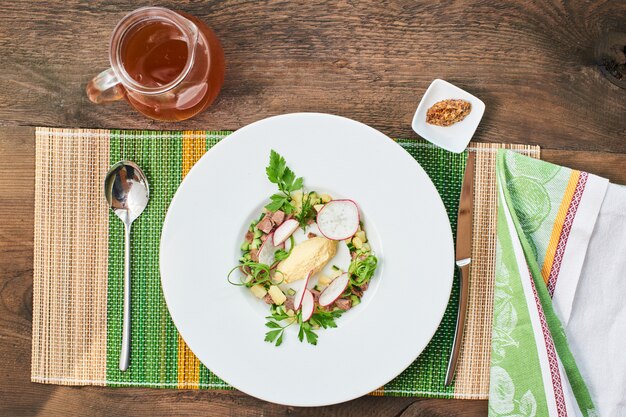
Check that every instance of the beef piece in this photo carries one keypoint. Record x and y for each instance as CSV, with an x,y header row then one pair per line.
x,y
268,299
343,304
316,294
249,237
278,217
289,304
358,291
365,285
254,255
311,235
265,225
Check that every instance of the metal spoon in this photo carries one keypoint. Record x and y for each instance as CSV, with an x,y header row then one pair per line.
x,y
126,190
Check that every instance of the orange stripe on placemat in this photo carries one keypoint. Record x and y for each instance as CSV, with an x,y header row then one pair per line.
x,y
194,146
558,225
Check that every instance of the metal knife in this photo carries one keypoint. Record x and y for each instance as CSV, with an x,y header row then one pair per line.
x,y
463,258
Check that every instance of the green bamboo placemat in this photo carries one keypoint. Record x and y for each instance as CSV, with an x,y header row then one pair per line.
x,y
77,308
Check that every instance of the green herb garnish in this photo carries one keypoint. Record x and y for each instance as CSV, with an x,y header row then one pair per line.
x,y
362,271
255,273
326,319
306,212
279,173
281,254
321,318
306,330
275,334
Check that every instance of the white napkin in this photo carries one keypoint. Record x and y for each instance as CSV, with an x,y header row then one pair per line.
x,y
596,326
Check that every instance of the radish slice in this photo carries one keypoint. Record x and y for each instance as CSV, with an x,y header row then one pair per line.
x,y
338,219
334,290
299,296
267,250
285,230
308,305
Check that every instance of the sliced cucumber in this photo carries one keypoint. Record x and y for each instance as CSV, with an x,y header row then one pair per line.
x,y
355,300
256,243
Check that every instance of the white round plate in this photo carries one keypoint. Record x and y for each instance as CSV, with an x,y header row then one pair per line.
x,y
224,324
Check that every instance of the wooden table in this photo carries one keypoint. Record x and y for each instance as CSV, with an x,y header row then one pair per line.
x,y
530,63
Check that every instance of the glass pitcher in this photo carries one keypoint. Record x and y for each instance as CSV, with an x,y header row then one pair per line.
x,y
168,65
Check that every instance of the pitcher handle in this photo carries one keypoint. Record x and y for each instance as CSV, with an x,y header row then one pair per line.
x,y
105,87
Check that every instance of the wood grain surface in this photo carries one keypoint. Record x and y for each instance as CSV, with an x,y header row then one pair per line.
x,y
531,63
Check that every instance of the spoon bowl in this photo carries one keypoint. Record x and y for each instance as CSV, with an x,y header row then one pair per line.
x,y
126,190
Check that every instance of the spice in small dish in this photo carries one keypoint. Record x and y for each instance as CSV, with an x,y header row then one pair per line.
x,y
448,112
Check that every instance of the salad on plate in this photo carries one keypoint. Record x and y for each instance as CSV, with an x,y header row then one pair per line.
x,y
306,255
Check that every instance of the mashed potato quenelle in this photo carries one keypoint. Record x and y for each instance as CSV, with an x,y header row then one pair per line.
x,y
308,256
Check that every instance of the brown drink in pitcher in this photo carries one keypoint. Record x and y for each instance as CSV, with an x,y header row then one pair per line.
x,y
168,65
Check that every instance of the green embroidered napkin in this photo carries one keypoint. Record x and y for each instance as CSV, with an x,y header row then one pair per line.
x,y
546,214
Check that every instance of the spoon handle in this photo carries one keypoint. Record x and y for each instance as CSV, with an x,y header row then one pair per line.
x,y
125,352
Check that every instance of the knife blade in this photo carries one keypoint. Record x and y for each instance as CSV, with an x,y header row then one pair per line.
x,y
463,258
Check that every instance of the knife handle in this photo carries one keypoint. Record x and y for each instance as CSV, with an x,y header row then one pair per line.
x,y
460,321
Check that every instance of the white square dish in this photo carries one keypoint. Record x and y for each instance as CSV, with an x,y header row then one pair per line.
x,y
453,138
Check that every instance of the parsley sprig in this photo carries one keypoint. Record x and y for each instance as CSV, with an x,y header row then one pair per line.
x,y
326,319
279,173
306,330
321,318
277,330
